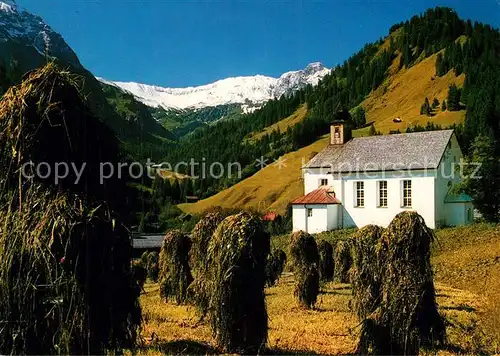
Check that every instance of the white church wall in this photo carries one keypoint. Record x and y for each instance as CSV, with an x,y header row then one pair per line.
x,y
429,189
446,176
457,213
312,179
299,218
333,216
371,213
318,222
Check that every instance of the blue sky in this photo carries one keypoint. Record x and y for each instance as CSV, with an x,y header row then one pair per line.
x,y
183,43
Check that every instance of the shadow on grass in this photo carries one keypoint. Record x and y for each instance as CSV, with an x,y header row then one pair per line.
x,y
191,347
341,287
181,347
462,307
332,292
443,295
457,350
280,351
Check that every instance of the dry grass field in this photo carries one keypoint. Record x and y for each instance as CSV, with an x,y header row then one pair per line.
x,y
469,258
331,328
467,266
403,92
282,125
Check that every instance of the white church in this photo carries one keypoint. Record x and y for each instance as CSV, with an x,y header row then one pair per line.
x,y
368,180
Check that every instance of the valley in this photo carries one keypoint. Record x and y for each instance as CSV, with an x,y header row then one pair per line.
x,y
399,96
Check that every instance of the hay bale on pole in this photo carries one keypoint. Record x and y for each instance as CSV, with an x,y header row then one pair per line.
x,y
145,259
237,310
274,266
326,264
365,272
201,235
65,281
408,318
198,291
305,258
175,273
153,259
343,261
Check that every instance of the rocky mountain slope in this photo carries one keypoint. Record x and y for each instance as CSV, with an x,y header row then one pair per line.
x,y
27,42
250,90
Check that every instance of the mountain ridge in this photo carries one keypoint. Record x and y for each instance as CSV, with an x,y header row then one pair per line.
x,y
27,43
243,90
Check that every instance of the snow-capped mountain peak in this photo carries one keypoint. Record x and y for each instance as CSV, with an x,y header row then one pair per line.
x,y
253,90
20,26
291,81
226,91
8,6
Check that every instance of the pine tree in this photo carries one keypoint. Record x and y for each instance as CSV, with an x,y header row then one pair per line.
x,y
188,188
483,186
166,189
359,117
440,65
425,109
176,191
435,103
443,106
453,100
407,55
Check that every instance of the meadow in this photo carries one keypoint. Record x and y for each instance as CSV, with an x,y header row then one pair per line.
x,y
466,261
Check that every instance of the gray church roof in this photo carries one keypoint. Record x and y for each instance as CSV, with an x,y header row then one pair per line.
x,y
418,150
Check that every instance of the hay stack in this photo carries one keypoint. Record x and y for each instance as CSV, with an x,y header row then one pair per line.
x,y
45,119
343,261
149,260
365,272
305,258
65,280
140,273
175,274
282,257
326,265
145,259
237,257
201,235
408,318
153,260
198,291
274,266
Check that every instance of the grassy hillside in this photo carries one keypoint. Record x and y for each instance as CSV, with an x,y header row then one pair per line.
x,y
271,188
281,125
401,95
404,92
